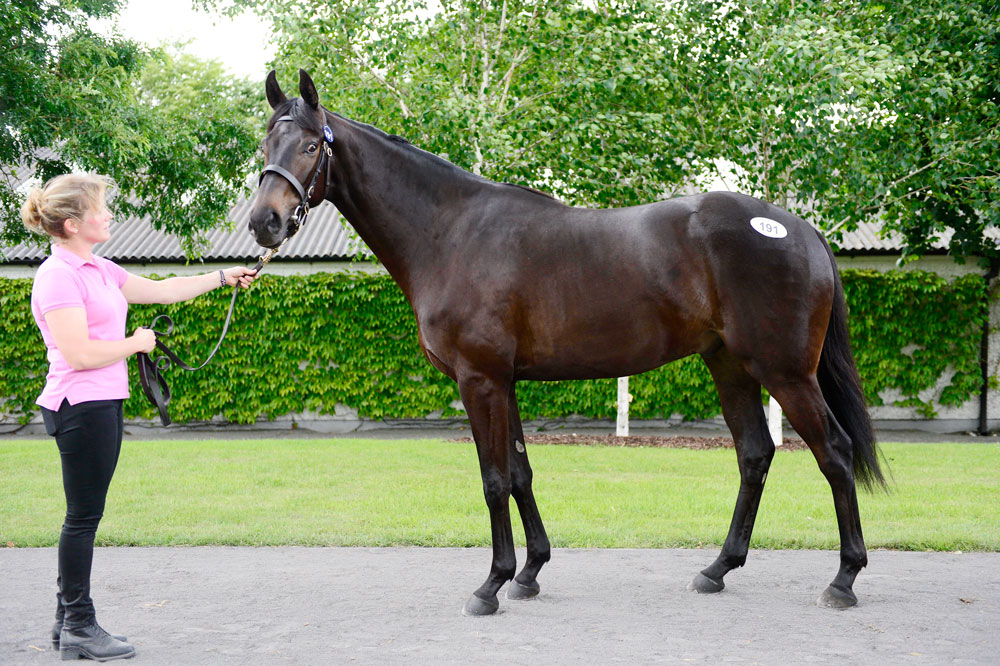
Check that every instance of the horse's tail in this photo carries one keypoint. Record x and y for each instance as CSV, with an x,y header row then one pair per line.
x,y
841,386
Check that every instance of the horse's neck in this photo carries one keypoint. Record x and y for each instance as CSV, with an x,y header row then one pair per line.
x,y
393,196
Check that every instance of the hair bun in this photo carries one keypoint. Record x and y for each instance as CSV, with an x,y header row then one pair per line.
x,y
31,211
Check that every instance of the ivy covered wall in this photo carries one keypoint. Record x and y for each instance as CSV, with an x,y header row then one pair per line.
x,y
308,343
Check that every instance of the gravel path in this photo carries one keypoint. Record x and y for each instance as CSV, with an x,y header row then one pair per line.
x,y
222,605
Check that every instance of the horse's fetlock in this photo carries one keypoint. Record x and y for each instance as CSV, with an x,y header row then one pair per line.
x,y
855,559
538,558
506,570
735,561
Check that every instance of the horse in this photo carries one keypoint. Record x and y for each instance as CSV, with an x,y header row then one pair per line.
x,y
508,284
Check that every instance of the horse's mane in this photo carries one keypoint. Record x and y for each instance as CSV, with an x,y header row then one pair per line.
x,y
532,190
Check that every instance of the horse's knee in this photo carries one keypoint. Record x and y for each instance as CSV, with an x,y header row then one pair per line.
x,y
755,465
496,488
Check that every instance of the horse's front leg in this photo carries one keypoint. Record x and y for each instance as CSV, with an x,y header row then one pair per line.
x,y
486,402
525,585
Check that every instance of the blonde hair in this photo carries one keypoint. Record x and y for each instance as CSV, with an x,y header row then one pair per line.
x,y
69,196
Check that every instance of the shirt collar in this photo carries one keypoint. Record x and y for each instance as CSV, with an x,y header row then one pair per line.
x,y
70,258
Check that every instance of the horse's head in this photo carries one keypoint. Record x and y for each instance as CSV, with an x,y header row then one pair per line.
x,y
296,154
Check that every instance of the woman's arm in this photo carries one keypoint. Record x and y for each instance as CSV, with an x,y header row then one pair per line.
x,y
138,289
68,327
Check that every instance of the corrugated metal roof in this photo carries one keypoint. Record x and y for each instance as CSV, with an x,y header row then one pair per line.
x,y
872,238
134,241
325,237
868,238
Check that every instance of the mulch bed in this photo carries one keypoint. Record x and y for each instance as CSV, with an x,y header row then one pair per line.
x,y
639,441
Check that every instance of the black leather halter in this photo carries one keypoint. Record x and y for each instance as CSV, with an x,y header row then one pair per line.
x,y
305,193
154,386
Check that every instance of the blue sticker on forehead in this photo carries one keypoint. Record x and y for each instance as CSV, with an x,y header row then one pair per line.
x,y
327,133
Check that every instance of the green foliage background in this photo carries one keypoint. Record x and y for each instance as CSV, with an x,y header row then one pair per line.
x,y
308,343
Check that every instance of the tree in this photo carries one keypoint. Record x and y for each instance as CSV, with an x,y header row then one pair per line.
x,y
935,169
206,128
848,111
572,97
67,88
843,111
786,86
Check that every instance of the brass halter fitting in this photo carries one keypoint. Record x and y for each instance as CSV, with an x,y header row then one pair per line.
x,y
265,259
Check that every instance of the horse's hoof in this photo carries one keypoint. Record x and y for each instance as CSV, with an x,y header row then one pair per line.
x,y
836,597
477,607
705,585
518,591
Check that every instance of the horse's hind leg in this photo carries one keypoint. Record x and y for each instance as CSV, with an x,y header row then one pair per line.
x,y
739,394
809,414
524,586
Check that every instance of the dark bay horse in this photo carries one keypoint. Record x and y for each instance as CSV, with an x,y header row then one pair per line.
x,y
508,284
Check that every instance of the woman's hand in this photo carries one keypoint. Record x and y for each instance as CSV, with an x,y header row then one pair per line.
x,y
69,332
145,340
240,275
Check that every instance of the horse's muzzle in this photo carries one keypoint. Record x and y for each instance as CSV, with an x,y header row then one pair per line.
x,y
267,227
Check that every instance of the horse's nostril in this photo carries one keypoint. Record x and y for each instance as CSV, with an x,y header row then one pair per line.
x,y
273,222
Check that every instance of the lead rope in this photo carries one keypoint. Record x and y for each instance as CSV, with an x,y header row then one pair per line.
x,y
154,385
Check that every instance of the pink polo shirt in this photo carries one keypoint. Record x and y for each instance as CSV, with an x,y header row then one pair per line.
x,y
64,280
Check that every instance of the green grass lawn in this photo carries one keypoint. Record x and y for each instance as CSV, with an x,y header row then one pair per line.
x,y
428,493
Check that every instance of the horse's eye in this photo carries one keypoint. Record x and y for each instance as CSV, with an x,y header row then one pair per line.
x,y
312,148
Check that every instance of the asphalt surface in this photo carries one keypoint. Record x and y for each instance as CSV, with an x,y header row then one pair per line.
x,y
222,605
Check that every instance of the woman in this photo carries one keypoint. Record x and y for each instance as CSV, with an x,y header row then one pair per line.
x,y
79,301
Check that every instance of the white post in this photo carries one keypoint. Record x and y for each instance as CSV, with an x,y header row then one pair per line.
x,y
774,421
623,399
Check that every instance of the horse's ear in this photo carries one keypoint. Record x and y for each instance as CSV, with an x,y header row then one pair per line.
x,y
273,90
307,90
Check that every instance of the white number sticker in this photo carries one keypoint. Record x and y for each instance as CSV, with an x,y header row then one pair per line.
x,y
768,227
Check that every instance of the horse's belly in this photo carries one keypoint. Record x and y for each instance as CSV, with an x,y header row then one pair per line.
x,y
619,345
588,369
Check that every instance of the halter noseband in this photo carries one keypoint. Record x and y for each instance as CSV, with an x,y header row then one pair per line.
x,y
305,193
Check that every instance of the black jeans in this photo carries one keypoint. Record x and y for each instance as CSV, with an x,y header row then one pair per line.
x,y
89,437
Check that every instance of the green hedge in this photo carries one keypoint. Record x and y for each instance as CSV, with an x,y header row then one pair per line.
x,y
308,343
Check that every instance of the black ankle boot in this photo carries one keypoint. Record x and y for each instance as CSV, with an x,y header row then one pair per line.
x,y
57,629
92,642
